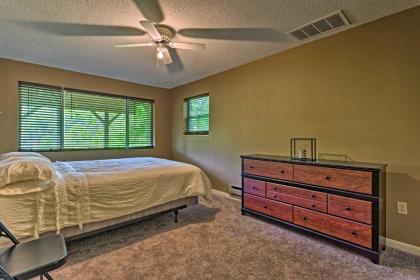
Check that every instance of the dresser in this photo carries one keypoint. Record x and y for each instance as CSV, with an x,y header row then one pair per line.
x,y
343,202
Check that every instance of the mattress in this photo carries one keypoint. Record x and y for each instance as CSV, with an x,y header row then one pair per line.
x,y
99,190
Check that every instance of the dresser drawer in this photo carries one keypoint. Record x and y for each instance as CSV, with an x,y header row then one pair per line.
x,y
271,169
294,200
349,180
350,208
271,208
347,230
303,193
254,187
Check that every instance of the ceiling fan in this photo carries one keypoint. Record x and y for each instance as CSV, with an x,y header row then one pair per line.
x,y
161,36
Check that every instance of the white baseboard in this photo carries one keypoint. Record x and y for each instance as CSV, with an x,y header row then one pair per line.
x,y
398,245
401,246
225,194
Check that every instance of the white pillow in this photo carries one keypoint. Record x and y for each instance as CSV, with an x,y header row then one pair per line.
x,y
14,155
25,169
26,187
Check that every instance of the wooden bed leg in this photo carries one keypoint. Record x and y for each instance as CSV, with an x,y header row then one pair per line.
x,y
176,215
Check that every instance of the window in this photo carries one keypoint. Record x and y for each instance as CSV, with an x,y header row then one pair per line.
x,y
40,118
140,120
53,119
198,115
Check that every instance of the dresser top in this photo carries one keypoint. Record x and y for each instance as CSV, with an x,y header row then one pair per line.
x,y
319,162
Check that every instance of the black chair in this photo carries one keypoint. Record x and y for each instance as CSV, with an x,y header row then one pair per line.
x,y
37,257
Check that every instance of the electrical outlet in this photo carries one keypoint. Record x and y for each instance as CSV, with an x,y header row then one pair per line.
x,y
402,208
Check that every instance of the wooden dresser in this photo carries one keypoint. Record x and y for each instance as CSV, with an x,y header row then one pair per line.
x,y
341,201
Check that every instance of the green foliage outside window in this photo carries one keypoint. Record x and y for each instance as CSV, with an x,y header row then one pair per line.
x,y
198,114
53,118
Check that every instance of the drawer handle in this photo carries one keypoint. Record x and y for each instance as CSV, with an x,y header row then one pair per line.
x,y
282,171
275,196
313,205
275,188
252,167
254,188
327,178
313,196
348,208
305,218
353,232
265,207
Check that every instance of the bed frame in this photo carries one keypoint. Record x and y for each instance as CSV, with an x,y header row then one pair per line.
x,y
75,233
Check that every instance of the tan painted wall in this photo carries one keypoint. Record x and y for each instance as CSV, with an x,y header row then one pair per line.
x,y
12,71
357,92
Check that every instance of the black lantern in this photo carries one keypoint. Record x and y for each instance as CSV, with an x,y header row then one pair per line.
x,y
303,149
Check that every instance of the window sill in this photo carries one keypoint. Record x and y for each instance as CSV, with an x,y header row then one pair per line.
x,y
78,150
197,133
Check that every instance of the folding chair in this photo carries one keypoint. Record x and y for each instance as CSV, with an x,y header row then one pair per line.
x,y
26,260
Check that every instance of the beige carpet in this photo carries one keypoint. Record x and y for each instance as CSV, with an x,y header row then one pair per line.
x,y
214,241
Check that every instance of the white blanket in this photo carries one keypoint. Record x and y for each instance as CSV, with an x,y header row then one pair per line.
x,y
91,191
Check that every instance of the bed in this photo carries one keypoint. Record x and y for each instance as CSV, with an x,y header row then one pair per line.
x,y
89,196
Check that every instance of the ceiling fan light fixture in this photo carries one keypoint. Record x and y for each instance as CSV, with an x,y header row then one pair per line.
x,y
161,36
160,53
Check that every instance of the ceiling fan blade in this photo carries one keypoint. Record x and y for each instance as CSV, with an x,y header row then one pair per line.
x,y
151,30
187,46
150,9
80,29
177,66
235,34
134,45
167,59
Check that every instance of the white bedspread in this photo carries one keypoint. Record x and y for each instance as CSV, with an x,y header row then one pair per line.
x,y
91,191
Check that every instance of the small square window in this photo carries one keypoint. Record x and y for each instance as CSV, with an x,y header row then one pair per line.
x,y
198,115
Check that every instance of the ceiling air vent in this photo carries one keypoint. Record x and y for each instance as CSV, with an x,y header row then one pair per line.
x,y
320,26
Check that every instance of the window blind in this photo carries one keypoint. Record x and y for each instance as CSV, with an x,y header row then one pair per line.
x,y
140,120
198,114
93,121
40,115
52,118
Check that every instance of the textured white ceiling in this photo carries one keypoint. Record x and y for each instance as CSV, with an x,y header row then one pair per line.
x,y
79,35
